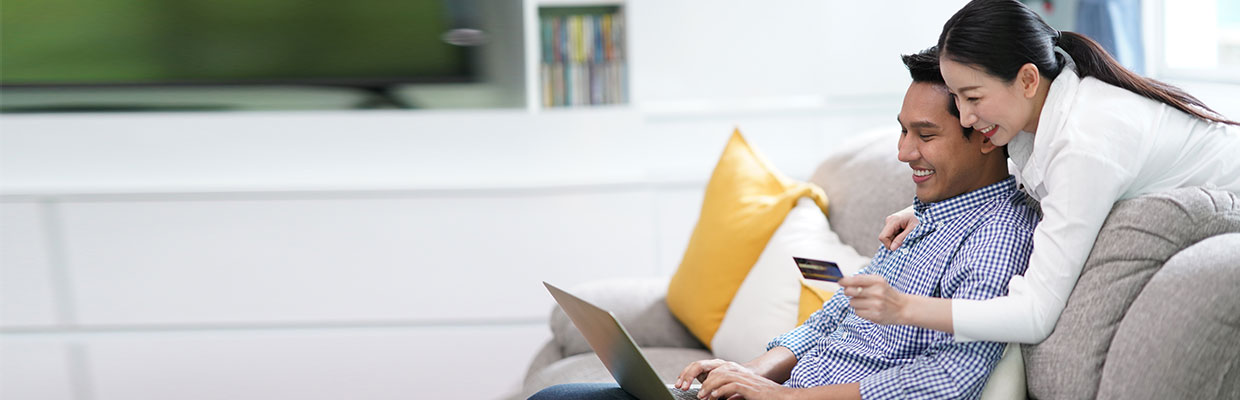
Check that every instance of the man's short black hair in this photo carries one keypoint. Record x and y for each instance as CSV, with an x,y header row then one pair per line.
x,y
923,66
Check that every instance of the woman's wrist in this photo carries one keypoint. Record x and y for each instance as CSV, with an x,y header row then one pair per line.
x,y
906,313
932,313
926,312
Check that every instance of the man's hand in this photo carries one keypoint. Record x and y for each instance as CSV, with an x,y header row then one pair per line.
x,y
733,381
897,227
698,370
873,299
774,365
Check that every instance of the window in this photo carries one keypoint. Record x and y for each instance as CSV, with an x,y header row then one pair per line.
x,y
1198,39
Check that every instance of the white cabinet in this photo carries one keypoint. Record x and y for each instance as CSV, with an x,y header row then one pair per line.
x,y
277,263
328,364
27,276
408,258
326,295
37,368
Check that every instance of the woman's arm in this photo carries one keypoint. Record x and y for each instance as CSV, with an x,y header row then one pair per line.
x,y
930,313
1073,211
875,300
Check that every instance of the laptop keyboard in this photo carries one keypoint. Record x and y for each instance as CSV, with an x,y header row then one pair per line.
x,y
690,394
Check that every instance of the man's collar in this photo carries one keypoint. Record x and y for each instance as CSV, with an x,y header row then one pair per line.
x,y
945,210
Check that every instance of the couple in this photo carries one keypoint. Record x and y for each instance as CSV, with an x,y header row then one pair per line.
x,y
924,318
975,235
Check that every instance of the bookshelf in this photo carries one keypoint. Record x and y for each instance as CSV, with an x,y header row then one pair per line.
x,y
576,54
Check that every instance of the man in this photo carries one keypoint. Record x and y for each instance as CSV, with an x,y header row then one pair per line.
x,y
976,232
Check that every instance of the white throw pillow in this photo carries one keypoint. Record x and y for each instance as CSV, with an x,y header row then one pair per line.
x,y
1007,381
767,303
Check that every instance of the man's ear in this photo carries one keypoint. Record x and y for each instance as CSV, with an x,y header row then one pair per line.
x,y
1028,78
987,145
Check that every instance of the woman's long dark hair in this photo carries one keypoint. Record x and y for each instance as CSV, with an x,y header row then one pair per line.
x,y
1001,36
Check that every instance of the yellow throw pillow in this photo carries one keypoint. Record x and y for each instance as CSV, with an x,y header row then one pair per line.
x,y
746,200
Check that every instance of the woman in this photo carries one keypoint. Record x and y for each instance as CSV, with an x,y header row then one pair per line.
x,y
1084,133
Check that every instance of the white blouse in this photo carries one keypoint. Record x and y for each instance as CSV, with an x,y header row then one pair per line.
x,y
1096,144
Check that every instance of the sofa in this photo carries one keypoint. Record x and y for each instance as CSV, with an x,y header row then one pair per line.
x,y
1154,315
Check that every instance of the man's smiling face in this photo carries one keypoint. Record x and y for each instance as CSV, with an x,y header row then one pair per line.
x,y
944,162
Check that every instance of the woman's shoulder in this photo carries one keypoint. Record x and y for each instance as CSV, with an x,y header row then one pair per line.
x,y
1104,115
1104,99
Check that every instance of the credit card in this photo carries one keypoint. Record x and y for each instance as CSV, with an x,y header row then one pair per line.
x,y
818,269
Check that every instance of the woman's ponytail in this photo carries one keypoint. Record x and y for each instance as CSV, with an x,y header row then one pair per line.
x,y
1092,60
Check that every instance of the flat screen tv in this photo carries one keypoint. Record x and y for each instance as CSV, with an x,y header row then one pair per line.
x,y
124,43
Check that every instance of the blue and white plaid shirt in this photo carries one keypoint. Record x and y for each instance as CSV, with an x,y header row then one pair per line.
x,y
967,246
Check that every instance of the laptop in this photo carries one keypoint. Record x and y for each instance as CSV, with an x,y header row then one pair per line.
x,y
613,345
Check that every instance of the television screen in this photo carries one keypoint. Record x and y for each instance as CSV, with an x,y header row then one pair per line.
x,y
365,43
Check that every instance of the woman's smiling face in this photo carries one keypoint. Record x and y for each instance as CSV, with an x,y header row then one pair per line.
x,y
996,109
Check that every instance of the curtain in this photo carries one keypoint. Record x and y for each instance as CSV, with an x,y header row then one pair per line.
x,y
1116,24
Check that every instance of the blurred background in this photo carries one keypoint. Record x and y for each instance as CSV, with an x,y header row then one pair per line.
x,y
277,199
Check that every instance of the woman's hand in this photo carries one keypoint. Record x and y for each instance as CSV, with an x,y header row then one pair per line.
x,y
873,299
897,227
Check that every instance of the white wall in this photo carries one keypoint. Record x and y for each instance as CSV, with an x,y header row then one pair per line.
x,y
739,51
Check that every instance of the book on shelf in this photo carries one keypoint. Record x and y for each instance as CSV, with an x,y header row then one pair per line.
x,y
582,59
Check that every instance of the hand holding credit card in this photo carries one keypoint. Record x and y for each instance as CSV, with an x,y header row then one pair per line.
x,y
818,269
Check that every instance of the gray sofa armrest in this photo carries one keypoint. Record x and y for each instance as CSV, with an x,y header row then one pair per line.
x,y
1138,237
1181,337
639,304
549,354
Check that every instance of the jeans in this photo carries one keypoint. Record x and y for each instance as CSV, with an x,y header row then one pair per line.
x,y
583,391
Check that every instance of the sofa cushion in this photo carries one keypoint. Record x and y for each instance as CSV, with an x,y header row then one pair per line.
x,y
746,200
866,183
1138,237
637,303
1007,380
1181,337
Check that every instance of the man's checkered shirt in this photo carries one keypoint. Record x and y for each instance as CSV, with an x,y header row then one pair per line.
x,y
967,246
